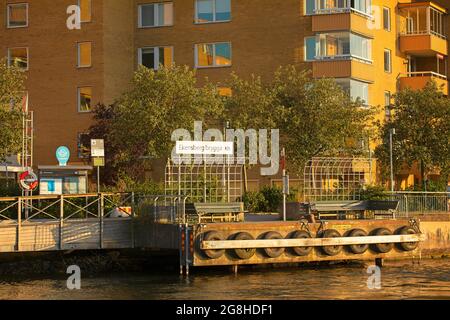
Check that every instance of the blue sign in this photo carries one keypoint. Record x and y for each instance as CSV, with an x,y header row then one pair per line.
x,y
63,156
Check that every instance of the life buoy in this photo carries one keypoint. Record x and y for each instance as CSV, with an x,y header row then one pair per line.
x,y
273,252
358,248
28,184
245,253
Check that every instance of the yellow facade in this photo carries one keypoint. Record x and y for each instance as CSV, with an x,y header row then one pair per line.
x,y
262,36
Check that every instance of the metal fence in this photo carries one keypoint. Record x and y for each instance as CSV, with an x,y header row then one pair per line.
x,y
413,203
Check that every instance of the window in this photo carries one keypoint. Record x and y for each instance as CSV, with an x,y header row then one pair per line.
x,y
84,54
355,89
387,104
18,57
17,15
84,99
387,61
387,19
310,6
310,48
343,45
153,57
85,10
213,55
212,11
225,92
155,15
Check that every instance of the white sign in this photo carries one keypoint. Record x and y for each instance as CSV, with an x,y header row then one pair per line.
x,y
205,147
97,148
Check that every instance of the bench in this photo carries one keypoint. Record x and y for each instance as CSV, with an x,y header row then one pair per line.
x,y
215,212
356,209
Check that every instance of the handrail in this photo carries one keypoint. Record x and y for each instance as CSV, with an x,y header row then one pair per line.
x,y
343,57
424,74
423,32
337,10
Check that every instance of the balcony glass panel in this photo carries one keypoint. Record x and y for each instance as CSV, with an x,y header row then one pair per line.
x,y
355,89
343,45
337,6
423,20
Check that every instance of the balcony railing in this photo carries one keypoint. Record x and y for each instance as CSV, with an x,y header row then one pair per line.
x,y
422,32
337,10
343,57
431,74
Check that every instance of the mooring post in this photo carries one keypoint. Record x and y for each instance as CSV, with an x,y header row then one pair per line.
x,y
379,262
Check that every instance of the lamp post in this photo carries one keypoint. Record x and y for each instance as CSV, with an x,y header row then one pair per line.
x,y
391,133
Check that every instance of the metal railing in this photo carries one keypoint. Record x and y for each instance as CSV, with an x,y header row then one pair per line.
x,y
424,74
413,203
423,32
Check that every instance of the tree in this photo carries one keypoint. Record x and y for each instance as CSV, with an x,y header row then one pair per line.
x,y
139,125
12,89
315,116
421,119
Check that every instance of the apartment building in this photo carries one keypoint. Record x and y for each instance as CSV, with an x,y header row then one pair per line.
x,y
371,47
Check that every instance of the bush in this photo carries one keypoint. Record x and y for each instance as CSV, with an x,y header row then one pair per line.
x,y
11,190
274,198
254,202
374,193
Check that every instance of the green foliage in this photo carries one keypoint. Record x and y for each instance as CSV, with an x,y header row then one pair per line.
x,y
127,184
274,198
421,119
10,189
374,193
315,116
11,92
139,125
254,202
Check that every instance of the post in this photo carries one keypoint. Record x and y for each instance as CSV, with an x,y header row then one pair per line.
x,y
132,221
101,214
186,248
19,223
98,179
391,133
285,182
61,222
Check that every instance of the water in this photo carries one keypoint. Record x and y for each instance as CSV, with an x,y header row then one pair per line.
x,y
400,280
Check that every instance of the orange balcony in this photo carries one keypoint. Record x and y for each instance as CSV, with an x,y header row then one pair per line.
x,y
418,80
422,29
423,44
350,21
344,68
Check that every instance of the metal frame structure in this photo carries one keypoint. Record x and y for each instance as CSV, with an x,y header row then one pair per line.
x,y
337,179
205,182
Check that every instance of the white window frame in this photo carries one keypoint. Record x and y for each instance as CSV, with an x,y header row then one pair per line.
x,y
156,54
214,55
79,100
8,8
214,14
28,57
79,55
390,60
90,16
389,18
305,55
155,15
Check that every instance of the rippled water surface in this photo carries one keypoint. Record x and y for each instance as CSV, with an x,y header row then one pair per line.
x,y
400,280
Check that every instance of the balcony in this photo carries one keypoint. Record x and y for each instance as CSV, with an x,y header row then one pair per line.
x,y
344,67
342,20
418,80
422,29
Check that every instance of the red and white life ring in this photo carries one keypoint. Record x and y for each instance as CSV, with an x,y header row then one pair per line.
x,y
28,180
